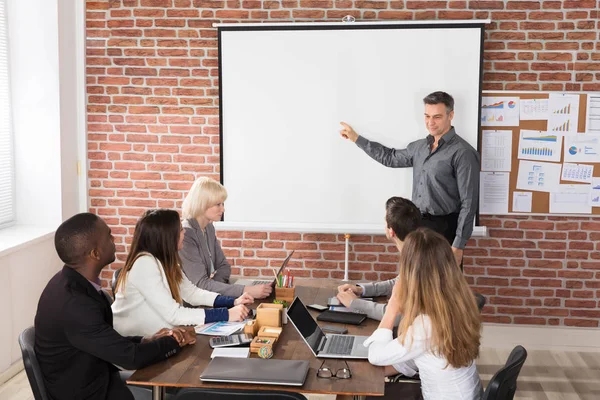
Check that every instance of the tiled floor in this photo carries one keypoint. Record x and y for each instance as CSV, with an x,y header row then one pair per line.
x,y
547,375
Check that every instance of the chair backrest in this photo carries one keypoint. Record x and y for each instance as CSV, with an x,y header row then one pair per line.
x,y
222,394
503,384
480,301
32,368
113,283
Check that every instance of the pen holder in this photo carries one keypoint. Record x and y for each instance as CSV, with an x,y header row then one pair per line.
x,y
268,314
287,294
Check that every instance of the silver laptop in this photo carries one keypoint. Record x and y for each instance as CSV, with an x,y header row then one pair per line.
x,y
257,371
252,282
322,345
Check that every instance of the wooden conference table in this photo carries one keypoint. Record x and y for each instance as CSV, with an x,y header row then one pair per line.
x,y
184,369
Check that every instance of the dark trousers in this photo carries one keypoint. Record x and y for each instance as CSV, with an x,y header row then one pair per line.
x,y
445,225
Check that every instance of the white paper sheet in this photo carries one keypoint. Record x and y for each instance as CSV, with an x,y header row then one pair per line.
x,y
582,148
534,109
496,152
493,193
571,199
595,193
499,111
522,201
539,145
564,113
577,173
232,352
538,176
593,114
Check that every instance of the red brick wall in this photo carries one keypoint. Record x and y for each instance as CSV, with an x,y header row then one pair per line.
x,y
152,95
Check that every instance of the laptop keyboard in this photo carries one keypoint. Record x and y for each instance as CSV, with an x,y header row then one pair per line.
x,y
340,344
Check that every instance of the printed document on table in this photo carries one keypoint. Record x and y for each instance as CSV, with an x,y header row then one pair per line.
x,y
493,193
522,201
538,176
577,173
595,193
539,145
592,125
496,152
232,352
534,109
221,328
571,199
582,148
564,113
500,111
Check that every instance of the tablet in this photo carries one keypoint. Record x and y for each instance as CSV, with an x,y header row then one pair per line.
x,y
342,317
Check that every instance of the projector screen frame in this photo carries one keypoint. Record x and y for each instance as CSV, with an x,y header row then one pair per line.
x,y
477,24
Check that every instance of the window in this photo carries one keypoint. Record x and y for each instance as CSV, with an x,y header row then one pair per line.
x,y
7,172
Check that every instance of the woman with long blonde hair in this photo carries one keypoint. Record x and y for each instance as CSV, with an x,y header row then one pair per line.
x,y
440,330
152,287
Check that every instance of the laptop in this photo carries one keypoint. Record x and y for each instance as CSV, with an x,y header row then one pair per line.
x,y
257,371
322,345
252,282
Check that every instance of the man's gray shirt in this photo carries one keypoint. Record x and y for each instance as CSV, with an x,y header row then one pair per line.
x,y
445,181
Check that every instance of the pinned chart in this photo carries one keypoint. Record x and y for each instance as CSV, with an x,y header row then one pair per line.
x,y
564,113
539,145
582,148
538,176
500,111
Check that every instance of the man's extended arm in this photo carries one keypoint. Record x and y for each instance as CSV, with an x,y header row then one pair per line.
x,y
394,158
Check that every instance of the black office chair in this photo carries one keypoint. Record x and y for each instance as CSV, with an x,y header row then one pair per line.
x,y
503,384
113,283
222,394
480,301
32,368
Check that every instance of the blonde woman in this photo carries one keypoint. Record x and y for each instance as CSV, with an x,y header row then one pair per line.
x,y
151,288
439,334
203,260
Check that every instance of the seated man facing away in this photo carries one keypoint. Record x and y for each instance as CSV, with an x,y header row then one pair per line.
x,y
75,342
401,217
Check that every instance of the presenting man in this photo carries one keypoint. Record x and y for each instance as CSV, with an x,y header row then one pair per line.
x,y
445,171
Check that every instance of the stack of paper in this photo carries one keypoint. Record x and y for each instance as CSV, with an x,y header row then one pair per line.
x,y
232,352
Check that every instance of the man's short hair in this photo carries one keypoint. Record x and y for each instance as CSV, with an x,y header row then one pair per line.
x,y
402,216
440,98
75,238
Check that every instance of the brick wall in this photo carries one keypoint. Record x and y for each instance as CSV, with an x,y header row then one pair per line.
x,y
152,95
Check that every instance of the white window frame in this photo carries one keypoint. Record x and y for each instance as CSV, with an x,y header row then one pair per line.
x,y
10,218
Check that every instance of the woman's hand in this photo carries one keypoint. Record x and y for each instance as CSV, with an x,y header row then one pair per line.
x,y
238,313
243,299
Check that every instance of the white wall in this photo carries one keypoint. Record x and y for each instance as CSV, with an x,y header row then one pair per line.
x,y
25,272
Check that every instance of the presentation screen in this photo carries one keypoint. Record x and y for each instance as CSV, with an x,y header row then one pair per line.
x,y
286,88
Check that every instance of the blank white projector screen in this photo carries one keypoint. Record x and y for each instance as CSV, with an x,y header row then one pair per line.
x,y
284,91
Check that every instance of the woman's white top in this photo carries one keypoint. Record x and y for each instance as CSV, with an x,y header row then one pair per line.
x,y
145,305
438,381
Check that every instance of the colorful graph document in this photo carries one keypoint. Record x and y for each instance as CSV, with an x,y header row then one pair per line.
x,y
571,199
538,176
577,173
539,145
592,125
595,193
582,148
564,113
534,109
496,151
493,193
500,111
221,328
522,201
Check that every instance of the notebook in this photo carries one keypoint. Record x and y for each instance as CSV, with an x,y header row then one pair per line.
x,y
351,318
325,346
232,352
257,371
252,282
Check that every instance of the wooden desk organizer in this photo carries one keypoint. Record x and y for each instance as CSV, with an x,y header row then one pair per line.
x,y
269,314
270,331
287,294
251,328
259,342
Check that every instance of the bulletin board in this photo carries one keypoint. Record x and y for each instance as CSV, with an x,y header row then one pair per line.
x,y
540,201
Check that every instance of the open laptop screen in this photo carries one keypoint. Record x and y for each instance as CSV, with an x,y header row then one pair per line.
x,y
305,324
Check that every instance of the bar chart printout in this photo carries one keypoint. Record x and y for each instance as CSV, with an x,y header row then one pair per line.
x,y
563,113
540,145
